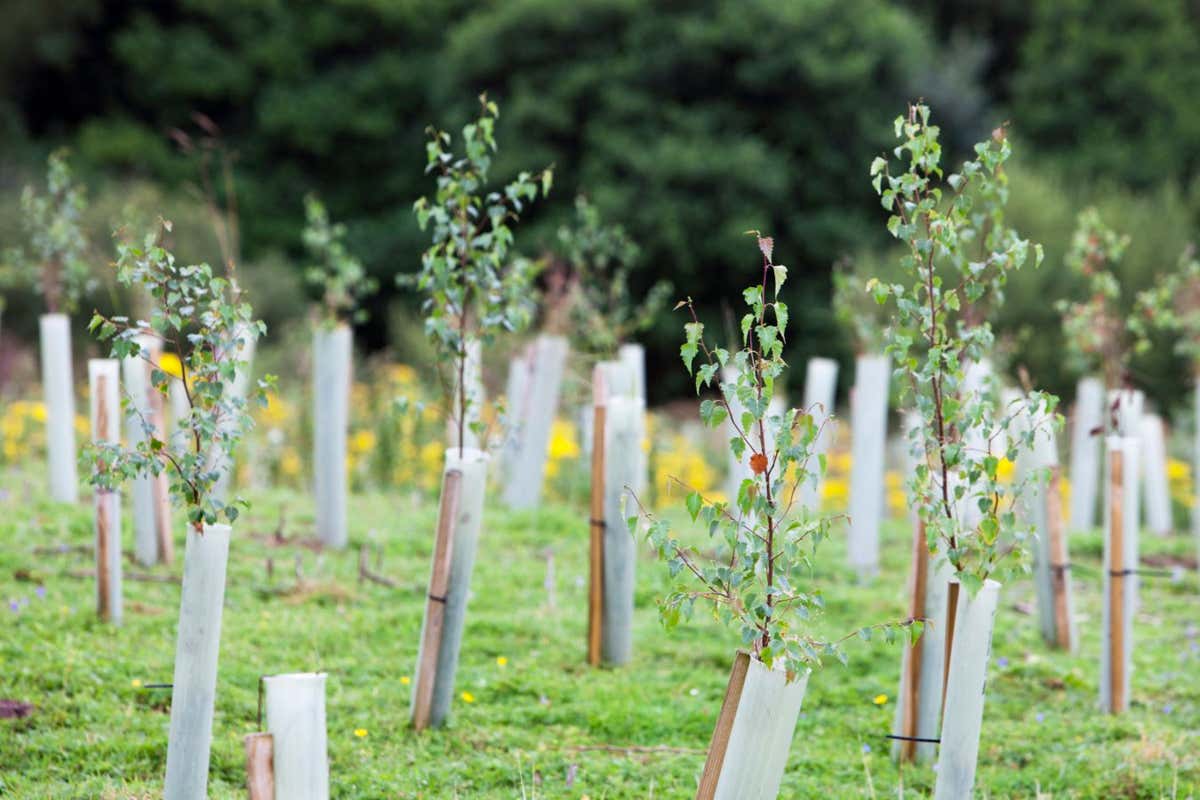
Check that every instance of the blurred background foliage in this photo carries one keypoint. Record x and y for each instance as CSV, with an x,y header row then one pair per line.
x,y
686,123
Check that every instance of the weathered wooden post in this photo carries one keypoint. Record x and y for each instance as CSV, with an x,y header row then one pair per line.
x,y
596,520
459,519
59,393
962,719
1157,494
820,390
523,487
104,389
260,766
868,422
295,711
136,372
197,646
1087,425
1120,578
332,354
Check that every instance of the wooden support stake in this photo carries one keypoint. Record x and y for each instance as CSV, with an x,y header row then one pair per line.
x,y
260,766
596,523
1058,558
951,616
916,610
1116,584
724,727
435,603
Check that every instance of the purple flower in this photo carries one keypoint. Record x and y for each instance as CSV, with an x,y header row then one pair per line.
x,y
866,748
14,606
40,591
1041,717
1001,662
1168,708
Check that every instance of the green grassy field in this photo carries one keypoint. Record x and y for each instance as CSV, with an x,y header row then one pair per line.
x,y
542,724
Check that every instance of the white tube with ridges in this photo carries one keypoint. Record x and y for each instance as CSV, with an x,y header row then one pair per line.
x,y
1128,447
820,390
620,551
761,736
245,342
473,485
633,356
868,440
1156,492
932,645
104,388
136,372
332,354
471,416
59,392
197,647
295,711
1087,418
527,470
962,722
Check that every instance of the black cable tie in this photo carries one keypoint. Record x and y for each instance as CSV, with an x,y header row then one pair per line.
x,y
1061,568
436,598
159,686
599,523
900,738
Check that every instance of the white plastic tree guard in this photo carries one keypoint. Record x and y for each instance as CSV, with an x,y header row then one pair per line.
x,y
197,647
1087,421
1051,562
753,734
332,353
527,469
965,685
104,390
928,658
820,389
295,711
136,372
472,378
633,356
516,402
59,392
472,464
868,441
244,342
1120,556
621,449
1157,493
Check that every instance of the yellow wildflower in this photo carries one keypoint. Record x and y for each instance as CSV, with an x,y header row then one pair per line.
x,y
502,661
880,699
404,679
360,732
468,697
136,683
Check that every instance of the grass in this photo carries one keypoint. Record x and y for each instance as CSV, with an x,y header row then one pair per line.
x,y
542,724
